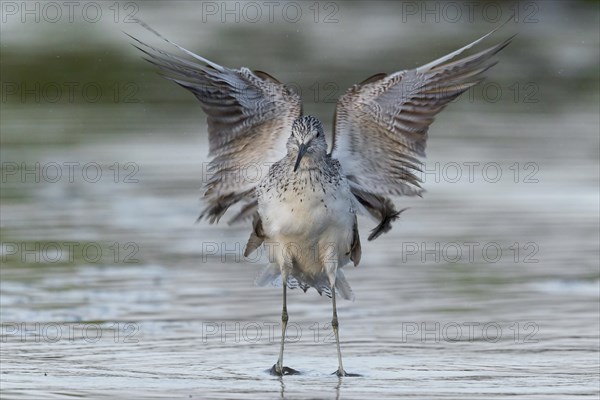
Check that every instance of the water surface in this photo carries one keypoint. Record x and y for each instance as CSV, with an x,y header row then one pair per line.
x,y
486,288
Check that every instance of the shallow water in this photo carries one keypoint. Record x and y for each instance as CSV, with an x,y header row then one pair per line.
x,y
486,288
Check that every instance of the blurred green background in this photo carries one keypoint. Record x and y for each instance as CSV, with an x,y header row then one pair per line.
x,y
556,52
75,92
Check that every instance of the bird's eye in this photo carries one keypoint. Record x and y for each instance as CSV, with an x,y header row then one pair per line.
x,y
318,133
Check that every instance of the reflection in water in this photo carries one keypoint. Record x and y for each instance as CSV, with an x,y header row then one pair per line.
x,y
338,387
322,388
159,315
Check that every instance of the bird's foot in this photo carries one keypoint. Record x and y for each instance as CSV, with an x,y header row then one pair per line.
x,y
281,371
341,372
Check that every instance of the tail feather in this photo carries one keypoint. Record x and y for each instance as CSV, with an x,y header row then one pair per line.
x,y
268,275
271,275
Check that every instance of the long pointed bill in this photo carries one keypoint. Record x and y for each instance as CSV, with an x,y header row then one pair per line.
x,y
301,152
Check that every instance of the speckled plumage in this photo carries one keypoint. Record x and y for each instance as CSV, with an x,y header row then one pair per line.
x,y
308,215
305,205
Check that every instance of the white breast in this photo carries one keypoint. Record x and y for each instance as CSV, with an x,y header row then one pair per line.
x,y
306,214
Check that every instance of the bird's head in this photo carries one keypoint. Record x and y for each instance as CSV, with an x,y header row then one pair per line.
x,y
307,139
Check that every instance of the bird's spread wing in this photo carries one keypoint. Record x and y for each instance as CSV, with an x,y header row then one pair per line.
x,y
380,128
249,113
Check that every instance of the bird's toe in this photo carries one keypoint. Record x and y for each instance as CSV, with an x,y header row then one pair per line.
x,y
281,371
341,373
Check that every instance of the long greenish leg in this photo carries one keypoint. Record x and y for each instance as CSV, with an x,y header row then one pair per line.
x,y
284,321
335,326
279,369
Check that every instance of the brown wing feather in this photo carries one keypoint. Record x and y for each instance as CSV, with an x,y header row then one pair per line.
x,y
381,126
355,248
257,237
249,116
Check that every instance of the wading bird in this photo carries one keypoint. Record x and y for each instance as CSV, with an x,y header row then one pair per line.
x,y
306,204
